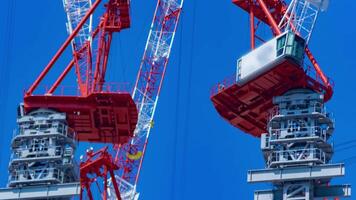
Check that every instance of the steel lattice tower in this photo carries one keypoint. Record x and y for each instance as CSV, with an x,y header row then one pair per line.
x,y
42,164
98,111
278,96
297,152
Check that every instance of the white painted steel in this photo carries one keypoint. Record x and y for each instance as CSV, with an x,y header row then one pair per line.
x,y
322,4
301,16
256,61
296,173
41,192
76,10
156,55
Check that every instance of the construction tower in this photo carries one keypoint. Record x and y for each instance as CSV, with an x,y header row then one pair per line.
x,y
278,96
51,122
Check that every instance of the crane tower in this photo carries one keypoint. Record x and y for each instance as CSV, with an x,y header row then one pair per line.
x,y
51,123
278,94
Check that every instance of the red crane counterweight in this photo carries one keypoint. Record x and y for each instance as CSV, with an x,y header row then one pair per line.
x,y
100,117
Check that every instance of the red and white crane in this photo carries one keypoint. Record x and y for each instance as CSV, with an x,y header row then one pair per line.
x,y
278,96
106,112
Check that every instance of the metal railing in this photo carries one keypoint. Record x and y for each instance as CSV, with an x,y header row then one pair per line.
x,y
36,175
74,90
298,132
227,82
45,128
298,109
296,156
39,151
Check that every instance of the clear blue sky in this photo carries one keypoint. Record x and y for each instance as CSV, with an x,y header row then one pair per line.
x,y
192,153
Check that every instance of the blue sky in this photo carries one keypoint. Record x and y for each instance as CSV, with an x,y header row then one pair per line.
x,y
192,152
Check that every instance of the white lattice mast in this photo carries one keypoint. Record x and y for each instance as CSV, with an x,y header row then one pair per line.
x,y
147,89
82,42
76,10
301,15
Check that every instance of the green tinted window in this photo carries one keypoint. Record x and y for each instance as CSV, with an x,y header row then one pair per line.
x,y
281,42
299,48
290,44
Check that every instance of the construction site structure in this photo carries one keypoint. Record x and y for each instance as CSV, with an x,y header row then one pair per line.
x,y
50,123
278,96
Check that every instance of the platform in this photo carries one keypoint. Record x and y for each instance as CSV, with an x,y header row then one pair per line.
x,y
321,192
300,173
100,117
247,106
270,70
41,192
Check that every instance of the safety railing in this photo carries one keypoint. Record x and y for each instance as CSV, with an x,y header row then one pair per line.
x,y
74,90
36,175
284,157
38,151
45,128
227,82
297,132
310,71
298,109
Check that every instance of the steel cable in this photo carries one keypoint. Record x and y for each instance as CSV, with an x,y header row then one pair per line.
x,y
176,125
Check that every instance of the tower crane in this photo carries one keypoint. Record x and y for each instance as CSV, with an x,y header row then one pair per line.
x,y
278,97
50,123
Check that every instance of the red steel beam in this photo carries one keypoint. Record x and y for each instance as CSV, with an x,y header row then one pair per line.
x,y
252,25
60,78
270,18
62,48
312,59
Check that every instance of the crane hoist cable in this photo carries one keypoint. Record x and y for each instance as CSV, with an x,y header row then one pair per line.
x,y
5,69
176,124
188,102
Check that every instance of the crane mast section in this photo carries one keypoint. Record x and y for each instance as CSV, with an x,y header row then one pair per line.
x,y
76,10
148,86
300,17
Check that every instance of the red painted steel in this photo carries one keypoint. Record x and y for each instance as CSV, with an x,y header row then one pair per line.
x,y
272,11
100,117
96,167
61,49
247,106
60,78
96,114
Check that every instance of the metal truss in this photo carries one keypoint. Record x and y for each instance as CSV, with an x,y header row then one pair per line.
x,y
146,92
82,42
300,17
76,10
296,148
43,152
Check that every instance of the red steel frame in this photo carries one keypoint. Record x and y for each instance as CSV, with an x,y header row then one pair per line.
x,y
114,19
269,12
96,167
98,113
96,97
247,106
